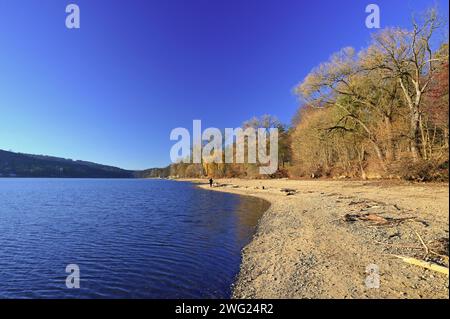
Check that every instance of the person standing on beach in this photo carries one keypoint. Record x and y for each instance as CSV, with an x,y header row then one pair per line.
x,y
210,182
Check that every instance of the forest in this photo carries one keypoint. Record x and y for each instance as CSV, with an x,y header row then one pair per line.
x,y
381,112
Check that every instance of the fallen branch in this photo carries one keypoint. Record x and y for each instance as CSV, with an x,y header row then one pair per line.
x,y
439,255
398,245
376,220
289,191
427,250
423,264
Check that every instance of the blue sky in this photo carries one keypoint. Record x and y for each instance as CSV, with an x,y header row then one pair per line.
x,y
112,91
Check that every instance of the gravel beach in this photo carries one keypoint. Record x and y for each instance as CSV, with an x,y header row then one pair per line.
x,y
340,239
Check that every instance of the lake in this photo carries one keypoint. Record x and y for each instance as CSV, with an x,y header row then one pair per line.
x,y
130,238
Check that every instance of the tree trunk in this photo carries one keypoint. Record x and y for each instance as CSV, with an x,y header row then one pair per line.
x,y
446,137
424,136
390,151
380,155
415,135
361,163
414,127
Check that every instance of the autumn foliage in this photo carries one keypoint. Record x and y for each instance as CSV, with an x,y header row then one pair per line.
x,y
381,112
378,113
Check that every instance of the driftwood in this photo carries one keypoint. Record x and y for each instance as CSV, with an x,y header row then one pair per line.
x,y
289,191
439,247
376,220
427,250
424,264
442,252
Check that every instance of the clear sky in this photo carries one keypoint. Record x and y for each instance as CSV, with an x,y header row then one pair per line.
x,y
112,91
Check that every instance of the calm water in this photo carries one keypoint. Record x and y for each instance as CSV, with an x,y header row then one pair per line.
x,y
130,238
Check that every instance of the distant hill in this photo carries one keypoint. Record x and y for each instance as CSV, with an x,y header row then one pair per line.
x,y
153,173
29,165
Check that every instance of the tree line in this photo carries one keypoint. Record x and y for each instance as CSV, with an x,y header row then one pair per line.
x,y
381,112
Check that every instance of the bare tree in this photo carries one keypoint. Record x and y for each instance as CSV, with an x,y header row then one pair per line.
x,y
407,57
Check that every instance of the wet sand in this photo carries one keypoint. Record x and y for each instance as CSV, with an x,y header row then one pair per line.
x,y
311,244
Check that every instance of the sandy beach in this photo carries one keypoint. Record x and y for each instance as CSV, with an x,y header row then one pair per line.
x,y
321,238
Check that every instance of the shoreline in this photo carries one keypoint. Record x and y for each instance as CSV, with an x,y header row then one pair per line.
x,y
303,246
